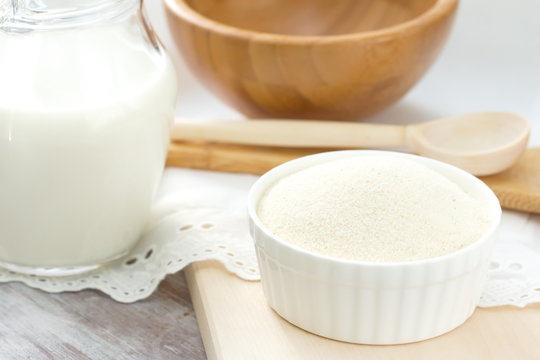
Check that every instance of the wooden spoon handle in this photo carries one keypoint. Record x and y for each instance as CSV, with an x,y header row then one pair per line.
x,y
291,133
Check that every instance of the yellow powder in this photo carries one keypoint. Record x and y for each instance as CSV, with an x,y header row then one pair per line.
x,y
376,208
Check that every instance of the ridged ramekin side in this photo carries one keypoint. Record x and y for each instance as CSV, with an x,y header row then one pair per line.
x,y
371,305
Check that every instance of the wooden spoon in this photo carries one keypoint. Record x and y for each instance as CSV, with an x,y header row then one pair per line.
x,y
481,143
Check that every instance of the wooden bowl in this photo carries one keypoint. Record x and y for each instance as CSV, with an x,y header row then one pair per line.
x,y
320,59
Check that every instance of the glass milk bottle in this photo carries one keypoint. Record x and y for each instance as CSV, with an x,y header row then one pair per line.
x,y
87,98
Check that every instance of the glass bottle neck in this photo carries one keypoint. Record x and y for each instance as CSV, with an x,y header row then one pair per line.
x,y
22,16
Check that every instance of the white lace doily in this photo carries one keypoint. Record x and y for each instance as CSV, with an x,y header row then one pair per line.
x,y
514,273
198,216
177,240
201,215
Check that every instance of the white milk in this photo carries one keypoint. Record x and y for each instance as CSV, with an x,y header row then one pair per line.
x,y
84,123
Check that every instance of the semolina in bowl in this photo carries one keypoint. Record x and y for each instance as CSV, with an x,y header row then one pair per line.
x,y
346,253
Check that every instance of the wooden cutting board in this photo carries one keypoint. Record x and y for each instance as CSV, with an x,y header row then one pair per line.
x,y
237,324
517,188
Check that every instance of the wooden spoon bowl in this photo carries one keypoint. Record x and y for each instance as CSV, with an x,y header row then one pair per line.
x,y
323,59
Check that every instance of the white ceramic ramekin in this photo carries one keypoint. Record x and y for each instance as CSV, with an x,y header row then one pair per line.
x,y
372,303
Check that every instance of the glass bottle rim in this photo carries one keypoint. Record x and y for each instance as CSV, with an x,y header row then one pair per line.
x,y
23,16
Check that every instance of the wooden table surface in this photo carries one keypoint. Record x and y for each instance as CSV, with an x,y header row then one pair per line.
x,y
89,325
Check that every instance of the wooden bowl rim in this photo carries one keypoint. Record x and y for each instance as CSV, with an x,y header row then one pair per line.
x,y
186,12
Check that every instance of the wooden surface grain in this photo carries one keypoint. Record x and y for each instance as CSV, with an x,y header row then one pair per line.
x,y
517,188
237,324
89,325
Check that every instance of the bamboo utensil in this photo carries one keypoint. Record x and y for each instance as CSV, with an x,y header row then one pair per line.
x,y
481,143
518,188
325,59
